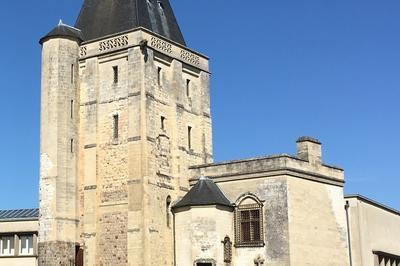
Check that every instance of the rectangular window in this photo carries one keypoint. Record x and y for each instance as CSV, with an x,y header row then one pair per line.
x,y
72,109
159,72
163,123
190,138
116,122
188,87
26,245
72,145
248,225
115,70
72,73
7,246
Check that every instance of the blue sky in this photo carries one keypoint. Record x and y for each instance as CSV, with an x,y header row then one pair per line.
x,y
281,69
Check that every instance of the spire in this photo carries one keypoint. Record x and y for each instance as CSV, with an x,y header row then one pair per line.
x,y
99,18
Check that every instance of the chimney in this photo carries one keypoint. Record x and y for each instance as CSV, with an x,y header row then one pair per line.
x,y
309,149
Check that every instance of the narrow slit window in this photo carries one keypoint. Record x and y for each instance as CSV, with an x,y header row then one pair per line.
x,y
159,72
72,73
115,70
72,145
116,121
167,206
163,123
188,87
190,138
72,109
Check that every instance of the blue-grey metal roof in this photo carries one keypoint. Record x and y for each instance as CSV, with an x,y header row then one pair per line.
x,y
63,31
100,18
18,215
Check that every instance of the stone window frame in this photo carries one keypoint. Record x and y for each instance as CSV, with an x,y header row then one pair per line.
x,y
212,261
239,207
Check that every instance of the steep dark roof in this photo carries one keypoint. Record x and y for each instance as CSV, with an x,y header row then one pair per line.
x,y
99,18
204,193
64,31
18,215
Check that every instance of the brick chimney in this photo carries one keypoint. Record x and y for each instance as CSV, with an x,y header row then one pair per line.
x,y
309,149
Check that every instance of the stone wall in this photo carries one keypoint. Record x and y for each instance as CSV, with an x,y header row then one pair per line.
x,y
125,182
56,253
58,163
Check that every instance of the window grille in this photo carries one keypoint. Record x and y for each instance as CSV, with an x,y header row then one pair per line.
x,y
249,225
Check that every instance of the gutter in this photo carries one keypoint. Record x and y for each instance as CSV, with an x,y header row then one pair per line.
x,y
346,207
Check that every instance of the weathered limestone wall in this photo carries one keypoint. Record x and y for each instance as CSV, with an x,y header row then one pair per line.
x,y
273,194
304,216
317,224
58,182
200,235
125,182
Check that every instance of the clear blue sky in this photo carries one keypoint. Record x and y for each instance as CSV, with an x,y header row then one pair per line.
x,y
281,69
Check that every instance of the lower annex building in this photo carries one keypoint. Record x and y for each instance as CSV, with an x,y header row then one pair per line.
x,y
126,169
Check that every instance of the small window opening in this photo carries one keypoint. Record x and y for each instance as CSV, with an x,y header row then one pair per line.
x,y
190,138
116,121
78,255
72,109
161,5
163,123
159,72
167,206
72,73
72,145
115,70
188,87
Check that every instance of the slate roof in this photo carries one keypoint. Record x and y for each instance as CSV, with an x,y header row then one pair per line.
x,y
19,215
63,30
99,18
204,193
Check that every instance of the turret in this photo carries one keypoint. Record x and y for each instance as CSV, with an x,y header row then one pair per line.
x,y
58,219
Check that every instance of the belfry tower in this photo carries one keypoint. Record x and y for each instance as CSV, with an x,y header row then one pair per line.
x,y
125,111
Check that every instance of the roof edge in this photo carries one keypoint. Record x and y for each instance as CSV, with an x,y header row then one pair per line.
x,y
372,202
273,156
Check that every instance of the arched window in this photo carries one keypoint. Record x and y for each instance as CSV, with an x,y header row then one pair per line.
x,y
249,222
167,210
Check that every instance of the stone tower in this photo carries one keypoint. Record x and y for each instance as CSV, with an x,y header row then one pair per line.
x,y
125,112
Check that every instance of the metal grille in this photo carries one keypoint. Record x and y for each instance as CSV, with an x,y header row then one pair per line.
x,y
249,225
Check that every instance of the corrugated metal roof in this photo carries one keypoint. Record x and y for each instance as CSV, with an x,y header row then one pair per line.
x,y
15,215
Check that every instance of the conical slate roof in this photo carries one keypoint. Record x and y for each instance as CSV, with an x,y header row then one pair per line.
x,y
99,18
204,193
63,31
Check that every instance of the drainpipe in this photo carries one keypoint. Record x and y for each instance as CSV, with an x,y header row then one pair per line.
x,y
346,207
173,231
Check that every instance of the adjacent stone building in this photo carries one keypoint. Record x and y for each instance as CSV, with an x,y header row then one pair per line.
x,y
18,237
127,174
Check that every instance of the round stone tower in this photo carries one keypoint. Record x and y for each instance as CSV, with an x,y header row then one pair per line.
x,y
58,219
